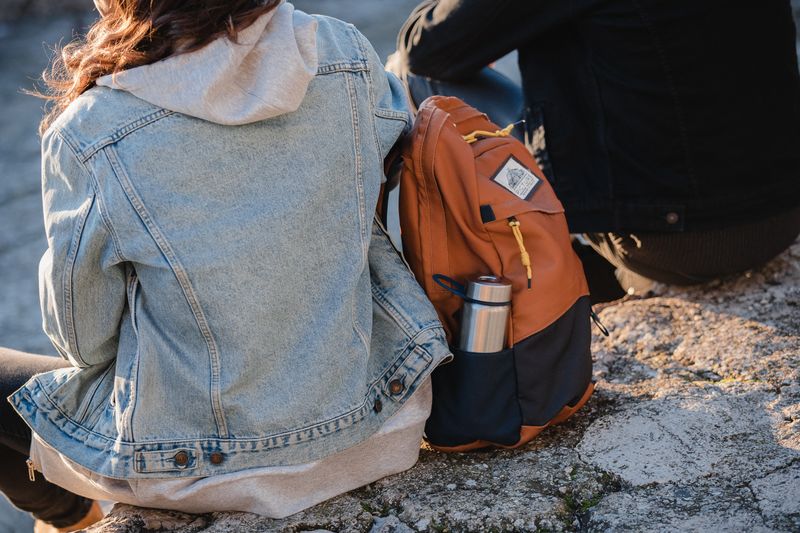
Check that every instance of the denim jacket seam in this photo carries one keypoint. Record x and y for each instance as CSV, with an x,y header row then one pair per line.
x,y
84,413
361,335
69,418
358,65
352,96
126,415
405,352
106,220
183,281
380,298
124,131
361,196
373,119
434,326
67,282
377,221
411,331
375,386
360,411
70,141
364,57
66,137
371,90
408,376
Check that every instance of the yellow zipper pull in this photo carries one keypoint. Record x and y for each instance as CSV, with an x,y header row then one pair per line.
x,y
477,135
31,469
526,258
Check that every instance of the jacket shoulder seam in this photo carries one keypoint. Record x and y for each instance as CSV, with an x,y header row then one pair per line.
x,y
349,64
95,187
122,132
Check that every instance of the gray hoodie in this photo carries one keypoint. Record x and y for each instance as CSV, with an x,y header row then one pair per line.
x,y
264,75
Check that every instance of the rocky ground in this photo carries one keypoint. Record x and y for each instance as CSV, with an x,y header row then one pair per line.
x,y
695,425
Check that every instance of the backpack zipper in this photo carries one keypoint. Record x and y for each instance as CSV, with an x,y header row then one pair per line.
x,y
514,224
477,135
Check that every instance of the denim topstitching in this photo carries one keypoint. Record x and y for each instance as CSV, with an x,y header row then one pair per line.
x,y
67,283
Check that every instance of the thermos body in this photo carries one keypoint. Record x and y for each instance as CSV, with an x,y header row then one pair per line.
x,y
484,319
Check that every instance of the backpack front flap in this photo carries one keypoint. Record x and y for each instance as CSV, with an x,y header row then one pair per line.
x,y
456,202
477,208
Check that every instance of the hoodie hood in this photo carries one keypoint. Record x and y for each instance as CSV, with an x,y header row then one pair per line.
x,y
264,75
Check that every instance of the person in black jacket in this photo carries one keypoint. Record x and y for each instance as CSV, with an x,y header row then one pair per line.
x,y
670,129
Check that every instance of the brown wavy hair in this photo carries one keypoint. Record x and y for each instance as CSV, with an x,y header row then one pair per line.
x,y
131,33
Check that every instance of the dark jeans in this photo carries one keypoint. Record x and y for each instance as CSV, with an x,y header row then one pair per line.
x,y
45,501
697,256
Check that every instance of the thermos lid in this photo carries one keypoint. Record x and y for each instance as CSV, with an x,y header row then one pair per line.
x,y
490,289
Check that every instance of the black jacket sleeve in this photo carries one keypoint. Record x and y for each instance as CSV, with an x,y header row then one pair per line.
x,y
452,39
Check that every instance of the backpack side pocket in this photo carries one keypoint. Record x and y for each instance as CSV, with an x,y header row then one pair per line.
x,y
475,399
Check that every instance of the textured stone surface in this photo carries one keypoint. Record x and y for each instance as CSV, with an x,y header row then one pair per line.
x,y
688,432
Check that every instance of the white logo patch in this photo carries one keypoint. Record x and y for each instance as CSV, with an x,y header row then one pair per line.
x,y
516,178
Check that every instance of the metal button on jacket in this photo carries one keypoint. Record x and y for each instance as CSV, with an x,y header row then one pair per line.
x,y
216,458
396,386
181,458
378,406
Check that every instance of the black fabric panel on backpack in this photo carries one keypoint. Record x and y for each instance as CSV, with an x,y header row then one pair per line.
x,y
554,366
487,214
475,397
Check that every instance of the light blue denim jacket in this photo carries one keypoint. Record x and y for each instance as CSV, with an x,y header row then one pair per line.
x,y
223,293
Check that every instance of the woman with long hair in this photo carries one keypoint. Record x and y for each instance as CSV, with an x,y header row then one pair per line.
x,y
237,332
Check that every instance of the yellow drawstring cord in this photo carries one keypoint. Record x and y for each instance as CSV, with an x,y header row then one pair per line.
x,y
524,255
478,134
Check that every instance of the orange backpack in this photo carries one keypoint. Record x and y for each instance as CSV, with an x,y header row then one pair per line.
x,y
473,201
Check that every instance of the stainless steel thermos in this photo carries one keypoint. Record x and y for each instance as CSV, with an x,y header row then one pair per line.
x,y
484,317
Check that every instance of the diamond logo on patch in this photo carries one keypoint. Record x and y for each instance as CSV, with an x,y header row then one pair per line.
x,y
516,178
